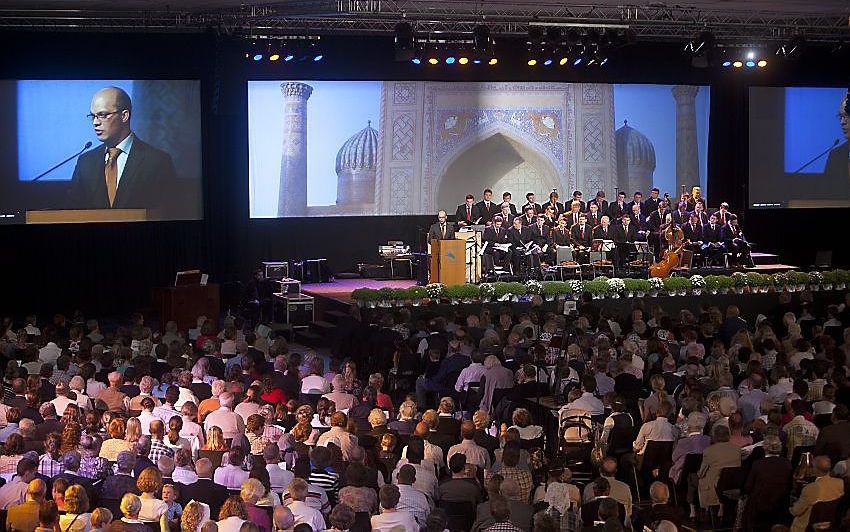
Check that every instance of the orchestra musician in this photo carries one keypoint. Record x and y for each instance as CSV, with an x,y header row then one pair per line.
x,y
467,214
637,199
506,198
651,204
529,216
593,216
554,203
600,202
699,209
736,243
581,236
520,238
625,235
723,214
712,246
616,209
529,202
655,226
681,214
604,231
560,235
577,197
693,233
487,208
673,237
638,222
540,233
573,215
497,234
507,215
550,216
696,195
442,229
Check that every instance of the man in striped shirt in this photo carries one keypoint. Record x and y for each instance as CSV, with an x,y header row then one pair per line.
x,y
321,473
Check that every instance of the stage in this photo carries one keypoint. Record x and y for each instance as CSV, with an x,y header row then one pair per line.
x,y
340,290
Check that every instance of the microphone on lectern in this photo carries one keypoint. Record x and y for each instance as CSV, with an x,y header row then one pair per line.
x,y
834,145
87,146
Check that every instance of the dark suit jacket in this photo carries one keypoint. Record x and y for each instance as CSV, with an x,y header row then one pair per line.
x,y
600,234
769,484
491,236
540,235
434,232
560,238
149,181
615,210
460,214
622,235
559,207
694,234
206,491
115,486
836,174
590,512
592,220
581,238
658,512
834,441
488,214
519,238
537,207
681,218
710,234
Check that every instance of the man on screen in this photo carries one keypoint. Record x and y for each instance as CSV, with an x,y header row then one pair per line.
x,y
837,170
124,172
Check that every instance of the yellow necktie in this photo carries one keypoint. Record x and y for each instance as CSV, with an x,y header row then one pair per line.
x,y
111,171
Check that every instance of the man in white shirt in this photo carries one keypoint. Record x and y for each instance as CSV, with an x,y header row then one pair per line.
x,y
251,404
231,424
475,454
49,353
342,400
426,480
347,441
659,429
62,400
472,373
300,510
620,491
231,475
392,518
587,401
279,477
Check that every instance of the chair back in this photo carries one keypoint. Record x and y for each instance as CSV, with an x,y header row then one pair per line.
x,y
564,254
823,515
730,482
693,462
657,454
311,399
461,514
362,522
214,456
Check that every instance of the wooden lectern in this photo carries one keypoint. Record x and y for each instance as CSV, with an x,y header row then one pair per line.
x,y
86,216
448,261
184,304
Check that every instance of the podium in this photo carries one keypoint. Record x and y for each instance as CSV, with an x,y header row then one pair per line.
x,y
86,216
448,261
184,304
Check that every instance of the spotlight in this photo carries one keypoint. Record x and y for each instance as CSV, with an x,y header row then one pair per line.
x,y
318,57
433,60
493,61
737,64
274,51
416,61
532,62
548,61
256,51
405,41
750,63
433,56
289,56
257,56
762,63
463,59
450,60
700,44
727,63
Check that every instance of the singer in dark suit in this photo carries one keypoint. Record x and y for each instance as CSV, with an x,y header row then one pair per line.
x,y
496,234
124,172
487,208
442,229
467,214
519,236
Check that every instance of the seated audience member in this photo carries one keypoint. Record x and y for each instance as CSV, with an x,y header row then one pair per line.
x,y
391,518
24,516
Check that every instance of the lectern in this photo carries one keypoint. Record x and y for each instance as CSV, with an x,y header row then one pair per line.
x,y
448,261
86,216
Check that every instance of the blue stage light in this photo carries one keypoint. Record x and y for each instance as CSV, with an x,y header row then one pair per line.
x,y
450,60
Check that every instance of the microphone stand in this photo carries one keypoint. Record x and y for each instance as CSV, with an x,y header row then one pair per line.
x,y
87,146
834,144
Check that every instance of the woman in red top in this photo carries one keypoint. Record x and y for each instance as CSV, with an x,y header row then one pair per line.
x,y
207,333
272,394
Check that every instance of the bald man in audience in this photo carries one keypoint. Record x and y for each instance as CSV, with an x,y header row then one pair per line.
x,y
112,397
824,488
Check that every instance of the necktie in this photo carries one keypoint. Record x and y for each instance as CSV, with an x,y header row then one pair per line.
x,y
488,206
468,213
442,231
111,172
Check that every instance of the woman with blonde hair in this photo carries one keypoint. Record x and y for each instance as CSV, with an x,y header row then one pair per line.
x,y
117,441
352,384
658,396
254,428
71,435
252,490
232,514
215,440
100,520
521,419
76,518
133,431
195,514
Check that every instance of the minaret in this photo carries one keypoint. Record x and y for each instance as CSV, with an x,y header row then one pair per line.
x,y
292,199
687,155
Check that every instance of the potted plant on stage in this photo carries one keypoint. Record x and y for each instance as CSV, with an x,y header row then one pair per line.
x,y
711,284
365,297
815,280
798,279
576,288
756,282
534,288
725,284
469,293
417,294
616,287
501,291
435,291
697,284
656,284
516,290
677,286
631,287
486,291
598,288
552,290
739,282
842,277
779,281
829,279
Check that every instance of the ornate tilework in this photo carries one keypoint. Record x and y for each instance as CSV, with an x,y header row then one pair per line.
x,y
592,135
404,93
403,137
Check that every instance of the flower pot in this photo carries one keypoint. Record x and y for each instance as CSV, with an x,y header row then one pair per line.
x,y
416,302
514,297
801,287
562,297
826,286
814,287
614,295
653,293
372,304
640,293
549,297
696,291
712,291
682,292
839,286
361,303
630,294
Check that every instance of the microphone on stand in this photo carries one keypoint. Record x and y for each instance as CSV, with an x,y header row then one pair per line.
x,y
87,146
834,145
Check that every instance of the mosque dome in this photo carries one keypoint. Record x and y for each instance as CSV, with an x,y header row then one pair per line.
x,y
359,152
634,149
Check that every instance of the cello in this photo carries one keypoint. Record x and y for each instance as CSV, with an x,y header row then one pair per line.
x,y
671,259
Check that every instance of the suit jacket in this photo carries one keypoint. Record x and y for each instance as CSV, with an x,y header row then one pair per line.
x,y
622,235
642,204
149,181
590,511
540,235
711,234
559,207
655,220
488,214
434,232
537,207
519,237
721,219
601,234
714,458
834,441
460,214
571,219
703,217
22,517
491,236
650,205
825,488
581,237
836,173
594,220
615,210
560,238
769,485
204,490
681,218
603,206
115,486
526,222
694,234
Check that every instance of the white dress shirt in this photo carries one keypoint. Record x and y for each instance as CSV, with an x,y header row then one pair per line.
x,y
394,520
588,402
470,374
230,476
305,514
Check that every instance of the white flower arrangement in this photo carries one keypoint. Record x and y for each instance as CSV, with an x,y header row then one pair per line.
x,y
656,283
697,281
577,287
487,290
616,285
435,290
534,287
815,277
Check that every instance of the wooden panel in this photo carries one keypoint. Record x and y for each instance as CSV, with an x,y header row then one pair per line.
x,y
86,216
